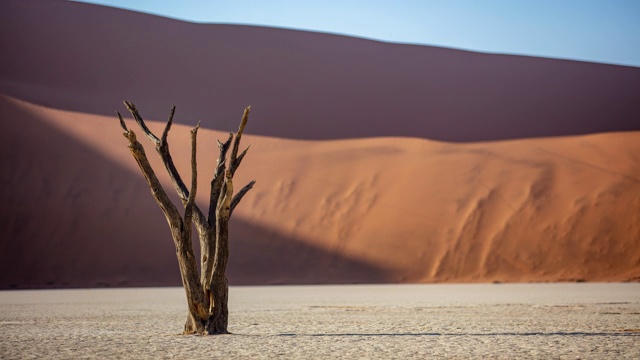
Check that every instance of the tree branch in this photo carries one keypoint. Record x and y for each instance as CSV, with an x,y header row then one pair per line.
x,y
162,148
165,133
136,115
169,210
238,197
218,179
122,124
189,206
236,164
236,143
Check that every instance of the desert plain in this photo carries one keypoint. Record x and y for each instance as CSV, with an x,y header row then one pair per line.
x,y
460,321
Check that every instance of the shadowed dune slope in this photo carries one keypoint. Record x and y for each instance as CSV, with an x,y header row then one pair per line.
x,y
76,211
73,216
306,85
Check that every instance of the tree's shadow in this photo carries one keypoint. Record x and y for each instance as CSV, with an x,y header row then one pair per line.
x,y
516,334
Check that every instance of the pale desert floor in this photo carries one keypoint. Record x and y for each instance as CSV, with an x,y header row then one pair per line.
x,y
363,321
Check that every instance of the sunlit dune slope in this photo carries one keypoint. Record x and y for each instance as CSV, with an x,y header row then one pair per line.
x,y
77,212
86,58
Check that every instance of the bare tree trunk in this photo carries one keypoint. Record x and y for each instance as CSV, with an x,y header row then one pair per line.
x,y
208,292
219,279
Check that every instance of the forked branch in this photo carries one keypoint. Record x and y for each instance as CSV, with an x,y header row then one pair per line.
x,y
162,148
169,210
236,142
218,179
136,116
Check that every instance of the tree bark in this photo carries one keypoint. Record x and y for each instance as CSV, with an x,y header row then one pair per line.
x,y
218,281
208,292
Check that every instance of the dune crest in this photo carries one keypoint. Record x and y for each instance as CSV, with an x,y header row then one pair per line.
x,y
85,58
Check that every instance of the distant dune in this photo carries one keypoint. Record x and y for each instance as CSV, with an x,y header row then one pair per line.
x,y
303,85
76,211
375,162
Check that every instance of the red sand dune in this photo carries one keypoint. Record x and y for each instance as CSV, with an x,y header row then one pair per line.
x,y
306,85
76,212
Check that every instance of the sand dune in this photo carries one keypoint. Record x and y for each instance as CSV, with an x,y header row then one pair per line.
x,y
349,189
76,211
306,85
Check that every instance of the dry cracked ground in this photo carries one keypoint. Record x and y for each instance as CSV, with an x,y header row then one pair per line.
x,y
586,321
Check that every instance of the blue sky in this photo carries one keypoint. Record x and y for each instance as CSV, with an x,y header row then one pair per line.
x,y
606,31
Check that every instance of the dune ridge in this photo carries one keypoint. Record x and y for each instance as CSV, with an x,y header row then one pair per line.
x,y
78,213
307,85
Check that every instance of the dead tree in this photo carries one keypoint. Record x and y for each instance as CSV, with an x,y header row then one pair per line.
x,y
207,292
